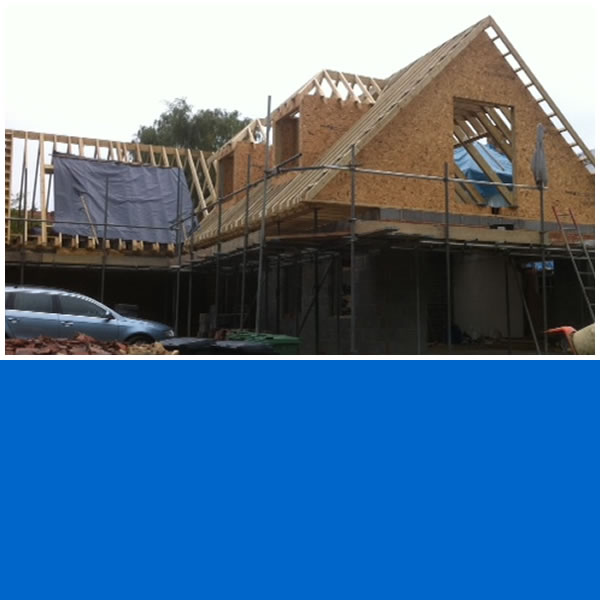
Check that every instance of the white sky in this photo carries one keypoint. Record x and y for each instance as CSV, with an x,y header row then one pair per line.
x,y
102,70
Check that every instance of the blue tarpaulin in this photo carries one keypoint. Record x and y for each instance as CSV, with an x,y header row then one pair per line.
x,y
498,162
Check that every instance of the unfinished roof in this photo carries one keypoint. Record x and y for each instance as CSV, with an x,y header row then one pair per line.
x,y
400,89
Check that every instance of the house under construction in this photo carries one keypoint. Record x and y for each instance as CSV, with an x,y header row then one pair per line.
x,y
364,215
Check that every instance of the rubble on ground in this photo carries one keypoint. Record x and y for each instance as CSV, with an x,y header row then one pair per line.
x,y
80,345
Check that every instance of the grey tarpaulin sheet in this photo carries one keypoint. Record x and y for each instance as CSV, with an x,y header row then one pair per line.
x,y
137,196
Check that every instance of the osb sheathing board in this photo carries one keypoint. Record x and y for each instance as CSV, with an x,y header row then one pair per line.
x,y
286,138
240,166
322,122
419,140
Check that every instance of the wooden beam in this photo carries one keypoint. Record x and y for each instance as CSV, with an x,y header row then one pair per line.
x,y
317,85
470,188
43,203
485,167
178,161
543,92
25,222
470,140
333,86
8,159
97,144
347,85
472,123
364,89
375,85
497,135
197,186
495,114
121,152
206,172
462,195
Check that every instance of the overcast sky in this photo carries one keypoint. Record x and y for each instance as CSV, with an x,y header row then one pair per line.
x,y
102,70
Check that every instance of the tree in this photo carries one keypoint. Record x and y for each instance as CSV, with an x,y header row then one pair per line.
x,y
180,126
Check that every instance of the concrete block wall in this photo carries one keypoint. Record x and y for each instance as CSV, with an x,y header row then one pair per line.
x,y
479,296
386,305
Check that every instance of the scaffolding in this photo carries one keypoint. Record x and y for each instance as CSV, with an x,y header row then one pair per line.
x,y
247,235
316,247
258,252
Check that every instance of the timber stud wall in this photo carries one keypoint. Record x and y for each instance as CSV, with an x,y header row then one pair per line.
x,y
39,147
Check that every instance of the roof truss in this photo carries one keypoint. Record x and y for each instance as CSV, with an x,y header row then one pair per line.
x,y
518,65
37,172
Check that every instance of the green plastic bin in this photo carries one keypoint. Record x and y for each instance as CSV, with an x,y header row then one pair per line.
x,y
282,344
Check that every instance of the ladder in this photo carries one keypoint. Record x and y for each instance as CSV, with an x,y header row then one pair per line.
x,y
582,261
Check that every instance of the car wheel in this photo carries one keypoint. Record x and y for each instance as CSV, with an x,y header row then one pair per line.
x,y
139,338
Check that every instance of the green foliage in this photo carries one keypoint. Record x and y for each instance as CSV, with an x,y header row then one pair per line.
x,y
180,126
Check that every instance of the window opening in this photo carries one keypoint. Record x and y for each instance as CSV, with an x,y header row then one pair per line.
x,y
484,151
287,138
226,172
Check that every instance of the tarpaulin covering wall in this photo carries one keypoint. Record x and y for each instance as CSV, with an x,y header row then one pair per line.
x,y
499,163
137,196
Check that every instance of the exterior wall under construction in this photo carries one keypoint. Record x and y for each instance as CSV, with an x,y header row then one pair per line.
x,y
401,302
391,303
420,140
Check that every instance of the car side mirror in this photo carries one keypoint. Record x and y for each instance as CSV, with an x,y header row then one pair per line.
x,y
108,316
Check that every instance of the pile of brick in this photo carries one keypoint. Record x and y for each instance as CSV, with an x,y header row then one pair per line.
x,y
80,345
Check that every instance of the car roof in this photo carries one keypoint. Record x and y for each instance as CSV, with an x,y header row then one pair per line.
x,y
37,288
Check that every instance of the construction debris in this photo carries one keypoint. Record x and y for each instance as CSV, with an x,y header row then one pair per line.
x,y
80,345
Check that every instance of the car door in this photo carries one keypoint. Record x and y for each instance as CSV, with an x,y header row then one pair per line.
x,y
78,314
31,313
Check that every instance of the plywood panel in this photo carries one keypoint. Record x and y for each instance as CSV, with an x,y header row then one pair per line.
x,y
322,122
419,140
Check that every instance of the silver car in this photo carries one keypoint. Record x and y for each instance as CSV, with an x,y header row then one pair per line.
x,y
33,311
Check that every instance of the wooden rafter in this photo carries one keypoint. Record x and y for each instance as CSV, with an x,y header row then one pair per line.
x,y
208,178
333,85
495,115
518,65
462,194
469,187
497,135
471,127
350,89
365,90
484,166
197,186
43,204
317,86
102,150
